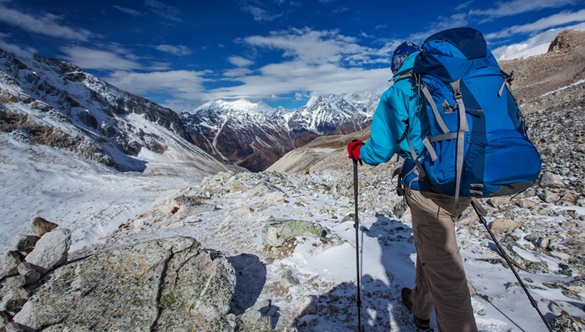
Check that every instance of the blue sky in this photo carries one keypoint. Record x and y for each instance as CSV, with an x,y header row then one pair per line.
x,y
181,54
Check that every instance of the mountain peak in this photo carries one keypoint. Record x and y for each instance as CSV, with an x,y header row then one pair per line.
x,y
239,105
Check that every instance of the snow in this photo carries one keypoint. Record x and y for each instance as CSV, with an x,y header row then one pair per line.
x,y
85,197
93,201
564,87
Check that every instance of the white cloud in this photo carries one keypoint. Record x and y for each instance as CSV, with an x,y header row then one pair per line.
x,y
537,44
240,61
442,23
182,84
16,49
514,7
464,5
341,9
47,24
179,50
542,24
286,77
88,58
237,72
129,11
310,46
165,11
312,62
259,11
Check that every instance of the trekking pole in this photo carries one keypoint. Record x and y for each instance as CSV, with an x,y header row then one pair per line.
x,y
481,212
357,246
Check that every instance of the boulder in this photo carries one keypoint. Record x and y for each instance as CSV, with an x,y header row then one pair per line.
x,y
23,242
10,263
551,180
169,284
276,232
12,294
3,320
253,320
549,196
28,272
501,225
527,204
40,226
13,327
50,251
566,323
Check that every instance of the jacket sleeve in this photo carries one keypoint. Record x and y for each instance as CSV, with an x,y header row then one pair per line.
x,y
388,128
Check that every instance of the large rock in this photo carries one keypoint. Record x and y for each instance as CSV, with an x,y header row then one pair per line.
x,y
12,294
501,225
9,267
41,226
169,284
22,242
50,251
551,180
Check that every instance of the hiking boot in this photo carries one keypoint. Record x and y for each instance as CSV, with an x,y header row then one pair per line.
x,y
423,324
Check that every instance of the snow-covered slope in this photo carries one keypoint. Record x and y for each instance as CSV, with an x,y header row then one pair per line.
x,y
54,103
64,138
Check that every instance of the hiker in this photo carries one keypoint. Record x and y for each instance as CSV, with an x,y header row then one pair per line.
x,y
399,127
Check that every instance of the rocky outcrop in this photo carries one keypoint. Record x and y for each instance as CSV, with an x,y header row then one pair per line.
x,y
170,284
166,285
29,258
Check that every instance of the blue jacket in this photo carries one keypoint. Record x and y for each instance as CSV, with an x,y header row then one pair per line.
x,y
397,105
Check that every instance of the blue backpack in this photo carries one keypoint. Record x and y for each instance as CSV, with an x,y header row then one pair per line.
x,y
477,145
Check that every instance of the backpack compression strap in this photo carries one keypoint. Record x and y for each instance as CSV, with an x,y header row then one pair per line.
x,y
459,135
463,128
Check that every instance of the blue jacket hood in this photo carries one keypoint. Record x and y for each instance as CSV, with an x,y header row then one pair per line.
x,y
407,66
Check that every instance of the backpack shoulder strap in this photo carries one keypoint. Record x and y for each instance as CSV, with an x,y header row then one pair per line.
x,y
408,74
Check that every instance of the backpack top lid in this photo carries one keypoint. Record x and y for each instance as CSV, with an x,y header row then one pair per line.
x,y
452,53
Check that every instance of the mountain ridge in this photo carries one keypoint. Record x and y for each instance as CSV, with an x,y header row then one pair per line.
x,y
238,133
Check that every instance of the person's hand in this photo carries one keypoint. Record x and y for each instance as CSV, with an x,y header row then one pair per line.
x,y
353,149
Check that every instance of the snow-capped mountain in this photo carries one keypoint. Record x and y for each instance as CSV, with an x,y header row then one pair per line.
x,y
254,135
54,103
327,114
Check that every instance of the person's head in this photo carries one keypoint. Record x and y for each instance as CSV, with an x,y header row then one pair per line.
x,y
401,53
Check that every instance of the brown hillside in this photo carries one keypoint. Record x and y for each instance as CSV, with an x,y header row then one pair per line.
x,y
563,64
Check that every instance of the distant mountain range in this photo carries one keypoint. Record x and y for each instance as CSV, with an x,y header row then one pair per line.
x,y
254,135
103,123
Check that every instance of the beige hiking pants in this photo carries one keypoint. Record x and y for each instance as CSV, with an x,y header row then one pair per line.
x,y
440,277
